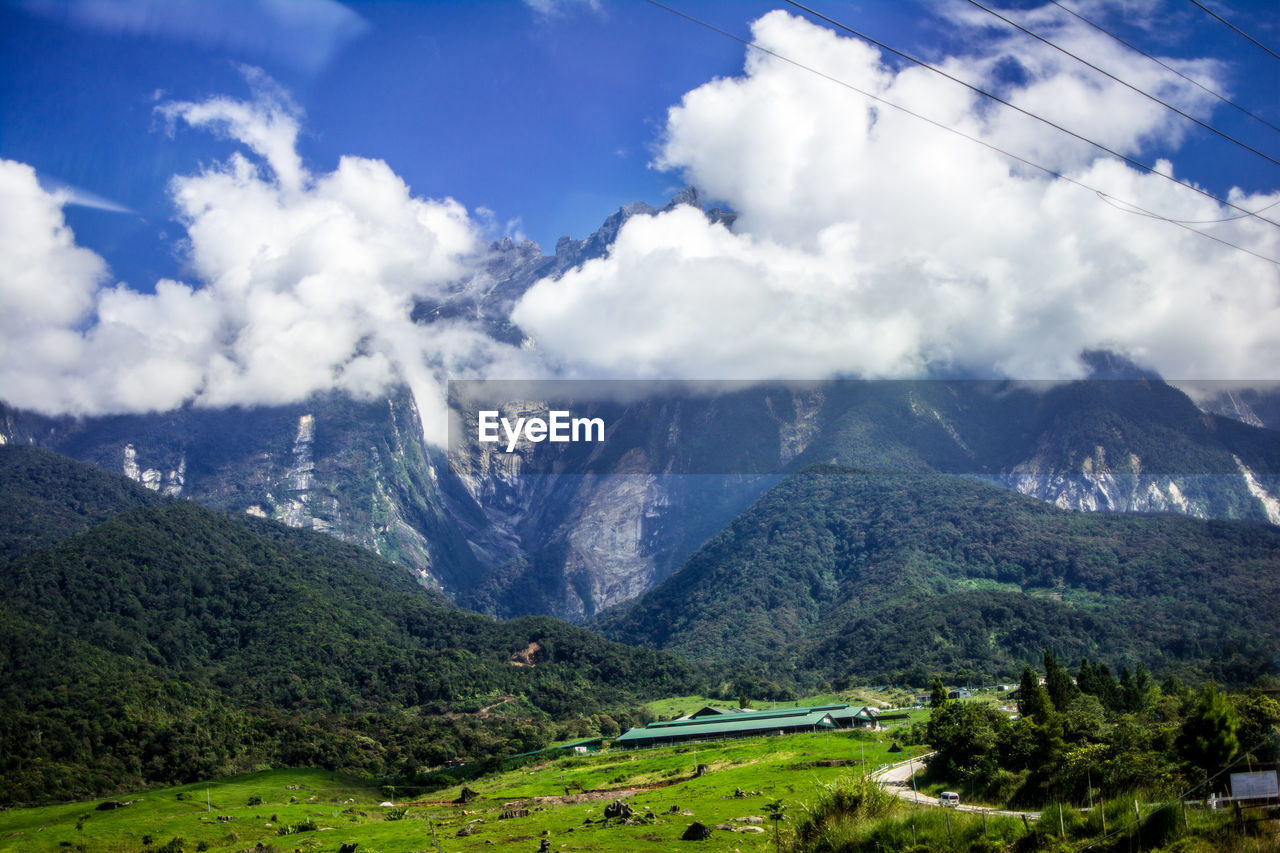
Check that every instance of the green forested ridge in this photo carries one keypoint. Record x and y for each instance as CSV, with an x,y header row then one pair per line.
x,y
836,572
34,515
171,641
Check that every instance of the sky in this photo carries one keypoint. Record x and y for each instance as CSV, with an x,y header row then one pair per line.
x,y
238,202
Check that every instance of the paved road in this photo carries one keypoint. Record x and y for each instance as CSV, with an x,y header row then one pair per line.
x,y
896,778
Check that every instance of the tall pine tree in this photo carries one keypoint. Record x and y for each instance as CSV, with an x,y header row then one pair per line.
x,y
1033,699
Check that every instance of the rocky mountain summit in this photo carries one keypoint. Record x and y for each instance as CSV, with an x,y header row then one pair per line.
x,y
513,533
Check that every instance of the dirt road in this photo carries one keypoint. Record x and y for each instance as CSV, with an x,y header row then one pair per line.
x,y
896,778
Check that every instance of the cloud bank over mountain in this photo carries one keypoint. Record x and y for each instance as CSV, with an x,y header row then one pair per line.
x,y
303,283
867,243
871,243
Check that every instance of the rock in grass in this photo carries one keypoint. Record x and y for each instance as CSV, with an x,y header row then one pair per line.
x,y
112,804
618,809
696,832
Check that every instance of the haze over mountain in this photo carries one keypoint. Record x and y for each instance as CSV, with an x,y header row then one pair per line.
x,y
863,242
605,524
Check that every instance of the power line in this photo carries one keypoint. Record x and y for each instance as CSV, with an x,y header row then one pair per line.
x,y
1165,65
1127,85
1130,160
1233,27
1132,207
1116,203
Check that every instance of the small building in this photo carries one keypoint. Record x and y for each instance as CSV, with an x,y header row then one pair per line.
x,y
713,711
580,747
577,747
960,693
856,717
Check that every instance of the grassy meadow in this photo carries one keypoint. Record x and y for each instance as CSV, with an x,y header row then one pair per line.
x,y
343,809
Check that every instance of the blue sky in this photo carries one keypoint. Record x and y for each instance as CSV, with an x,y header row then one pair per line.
x,y
876,241
547,119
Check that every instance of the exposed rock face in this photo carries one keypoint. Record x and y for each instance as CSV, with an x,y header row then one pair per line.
x,y
1270,503
359,471
1093,486
153,479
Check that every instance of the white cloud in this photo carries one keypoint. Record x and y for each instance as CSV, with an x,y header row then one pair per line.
x,y
69,194
304,283
45,279
560,8
268,124
304,35
869,243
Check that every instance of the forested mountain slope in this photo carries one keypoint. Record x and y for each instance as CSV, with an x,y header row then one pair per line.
x,y
837,572
171,641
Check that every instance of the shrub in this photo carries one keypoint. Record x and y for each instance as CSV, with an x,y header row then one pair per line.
x,y
844,804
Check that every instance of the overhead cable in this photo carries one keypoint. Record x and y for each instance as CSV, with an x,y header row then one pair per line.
x,y
1132,207
1165,65
1126,84
1233,27
1116,203
1138,164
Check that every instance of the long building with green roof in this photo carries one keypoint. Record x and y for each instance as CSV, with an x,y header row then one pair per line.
x,y
717,724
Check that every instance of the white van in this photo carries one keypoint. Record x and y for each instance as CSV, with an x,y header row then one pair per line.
x,y
949,799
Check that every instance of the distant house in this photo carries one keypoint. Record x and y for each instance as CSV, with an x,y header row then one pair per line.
x,y
856,717
731,724
960,693
578,747
713,711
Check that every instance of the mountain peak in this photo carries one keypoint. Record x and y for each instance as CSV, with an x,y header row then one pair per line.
x,y
1106,364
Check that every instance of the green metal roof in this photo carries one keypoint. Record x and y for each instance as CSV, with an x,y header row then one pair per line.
x,y
855,712
740,725
591,741
725,719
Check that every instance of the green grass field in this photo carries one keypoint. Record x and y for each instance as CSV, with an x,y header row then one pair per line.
x,y
658,782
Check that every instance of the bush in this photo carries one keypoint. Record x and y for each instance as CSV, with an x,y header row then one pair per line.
x,y
845,804
307,825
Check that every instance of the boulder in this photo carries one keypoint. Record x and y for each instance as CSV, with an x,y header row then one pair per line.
x,y
618,809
